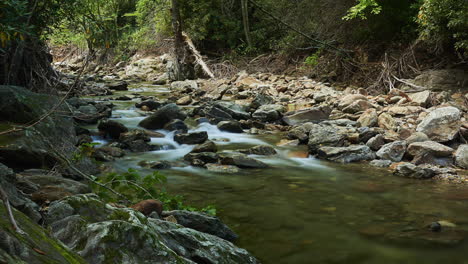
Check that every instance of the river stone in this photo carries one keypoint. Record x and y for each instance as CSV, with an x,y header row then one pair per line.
x,y
369,118
182,85
112,128
118,86
157,165
307,115
410,170
259,100
393,151
259,150
191,138
186,100
43,178
429,147
219,168
352,153
387,122
381,163
162,116
200,159
357,106
208,146
324,135
461,156
349,99
230,126
417,137
441,124
149,104
266,115
236,111
177,125
107,153
299,133
203,223
376,142
421,98
242,161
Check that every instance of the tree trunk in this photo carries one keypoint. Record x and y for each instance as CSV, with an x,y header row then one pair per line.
x,y
179,47
245,21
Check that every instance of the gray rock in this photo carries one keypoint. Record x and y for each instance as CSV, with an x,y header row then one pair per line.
x,y
219,168
208,146
149,104
118,86
230,126
324,135
352,153
307,115
357,106
421,98
441,124
191,138
136,141
259,150
182,85
461,156
381,163
162,116
177,125
376,142
42,179
410,170
260,100
417,137
429,147
369,118
266,115
393,151
112,128
203,223
201,158
242,161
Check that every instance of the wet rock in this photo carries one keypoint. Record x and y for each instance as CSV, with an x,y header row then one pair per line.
x,y
381,163
234,110
324,135
259,150
146,207
203,223
376,142
136,141
118,86
461,156
156,165
242,161
149,104
208,146
417,137
230,126
176,125
435,227
191,138
266,115
108,153
184,85
369,118
219,168
441,124
111,128
410,170
300,133
393,151
307,115
387,122
201,158
429,147
162,116
352,153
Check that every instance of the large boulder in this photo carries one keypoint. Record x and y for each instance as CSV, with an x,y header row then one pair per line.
x,y
461,156
112,128
393,151
191,138
441,124
429,147
307,115
324,135
441,80
162,116
352,153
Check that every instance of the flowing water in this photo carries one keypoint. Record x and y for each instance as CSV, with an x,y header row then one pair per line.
x,y
302,210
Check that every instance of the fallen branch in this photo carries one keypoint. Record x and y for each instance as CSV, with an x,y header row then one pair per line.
x,y
420,88
11,217
198,57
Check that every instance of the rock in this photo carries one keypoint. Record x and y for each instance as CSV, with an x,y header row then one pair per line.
x,y
417,137
461,156
421,98
43,178
387,122
410,170
393,151
162,116
307,115
381,163
300,133
230,126
184,85
260,100
376,142
369,118
107,153
157,165
186,100
441,124
118,86
208,146
146,207
357,106
259,150
112,129
346,154
441,80
404,110
191,138
176,125
201,158
266,116
429,147
49,194
349,99
242,161
136,141
203,223
149,104
218,168
324,135
236,111
366,133
435,227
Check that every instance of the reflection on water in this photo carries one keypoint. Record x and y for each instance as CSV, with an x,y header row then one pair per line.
x,y
301,210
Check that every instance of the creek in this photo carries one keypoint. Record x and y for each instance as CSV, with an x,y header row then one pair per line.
x,y
303,210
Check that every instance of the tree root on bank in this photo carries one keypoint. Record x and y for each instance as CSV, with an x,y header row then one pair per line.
x,y
11,217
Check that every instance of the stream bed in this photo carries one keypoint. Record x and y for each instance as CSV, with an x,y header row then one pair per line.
x,y
303,210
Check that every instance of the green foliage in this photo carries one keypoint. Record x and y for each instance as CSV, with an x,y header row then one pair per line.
x,y
359,10
84,150
445,22
12,26
312,60
136,188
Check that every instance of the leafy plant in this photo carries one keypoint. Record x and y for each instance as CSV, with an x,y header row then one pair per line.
x,y
359,10
84,150
136,188
312,60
